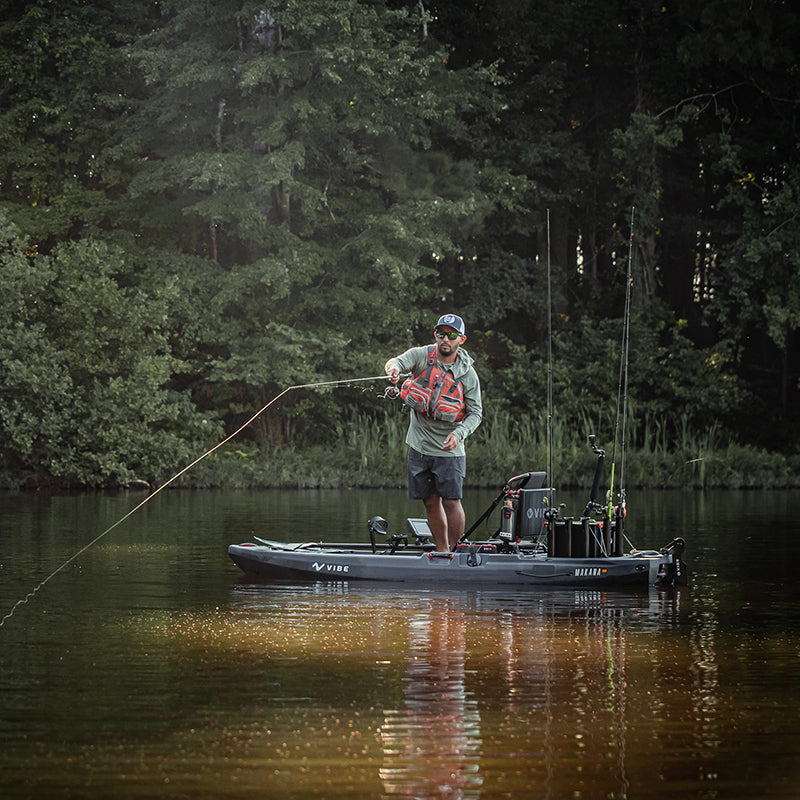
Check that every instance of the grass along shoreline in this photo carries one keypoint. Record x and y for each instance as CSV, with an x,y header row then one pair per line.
x,y
371,453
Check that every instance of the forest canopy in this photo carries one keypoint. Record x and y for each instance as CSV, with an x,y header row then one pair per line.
x,y
203,203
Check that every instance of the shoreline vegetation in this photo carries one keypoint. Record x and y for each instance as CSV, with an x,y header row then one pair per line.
x,y
371,453
205,206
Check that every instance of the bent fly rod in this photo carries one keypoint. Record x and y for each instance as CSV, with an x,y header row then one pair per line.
x,y
318,385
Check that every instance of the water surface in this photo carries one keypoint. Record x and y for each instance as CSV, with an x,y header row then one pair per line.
x,y
150,667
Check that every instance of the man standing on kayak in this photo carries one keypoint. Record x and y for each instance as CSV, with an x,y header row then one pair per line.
x,y
444,394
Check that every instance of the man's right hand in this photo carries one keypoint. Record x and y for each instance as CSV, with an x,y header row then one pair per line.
x,y
393,372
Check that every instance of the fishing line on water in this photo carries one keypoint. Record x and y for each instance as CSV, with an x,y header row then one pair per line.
x,y
348,382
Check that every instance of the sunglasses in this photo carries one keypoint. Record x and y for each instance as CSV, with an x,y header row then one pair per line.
x,y
451,335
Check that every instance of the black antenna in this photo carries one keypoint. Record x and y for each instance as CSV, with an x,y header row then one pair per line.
x,y
549,368
625,348
622,388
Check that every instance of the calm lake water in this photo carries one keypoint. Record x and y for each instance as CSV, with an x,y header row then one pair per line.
x,y
150,668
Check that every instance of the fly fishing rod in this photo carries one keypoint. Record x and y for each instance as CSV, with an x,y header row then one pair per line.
x,y
319,385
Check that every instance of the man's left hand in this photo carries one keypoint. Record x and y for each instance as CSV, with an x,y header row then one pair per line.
x,y
451,442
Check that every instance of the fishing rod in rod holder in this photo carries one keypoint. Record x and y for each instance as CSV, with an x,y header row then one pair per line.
x,y
516,483
593,506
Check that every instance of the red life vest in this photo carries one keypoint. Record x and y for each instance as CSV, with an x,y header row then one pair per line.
x,y
435,392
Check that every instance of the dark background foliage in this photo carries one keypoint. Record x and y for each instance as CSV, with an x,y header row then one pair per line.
x,y
202,203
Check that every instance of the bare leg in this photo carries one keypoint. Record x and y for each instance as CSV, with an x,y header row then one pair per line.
x,y
437,521
456,521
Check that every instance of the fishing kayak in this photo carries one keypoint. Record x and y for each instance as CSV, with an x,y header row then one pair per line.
x,y
486,563
533,545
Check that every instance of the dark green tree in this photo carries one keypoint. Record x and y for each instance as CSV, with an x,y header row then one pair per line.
x,y
723,219
300,148
86,368
685,114
65,88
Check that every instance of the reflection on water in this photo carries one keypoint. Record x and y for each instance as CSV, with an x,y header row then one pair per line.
x,y
538,656
431,744
151,668
500,692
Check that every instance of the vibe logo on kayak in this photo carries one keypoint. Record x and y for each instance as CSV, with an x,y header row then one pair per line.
x,y
330,567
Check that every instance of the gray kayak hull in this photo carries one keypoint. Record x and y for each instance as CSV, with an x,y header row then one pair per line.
x,y
469,566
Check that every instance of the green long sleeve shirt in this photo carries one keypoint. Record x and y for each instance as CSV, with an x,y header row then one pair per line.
x,y
427,435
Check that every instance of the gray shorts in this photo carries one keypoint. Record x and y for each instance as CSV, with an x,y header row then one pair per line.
x,y
441,475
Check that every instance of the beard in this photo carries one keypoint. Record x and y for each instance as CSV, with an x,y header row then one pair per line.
x,y
446,348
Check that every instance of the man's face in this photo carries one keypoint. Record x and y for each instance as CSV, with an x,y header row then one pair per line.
x,y
448,340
